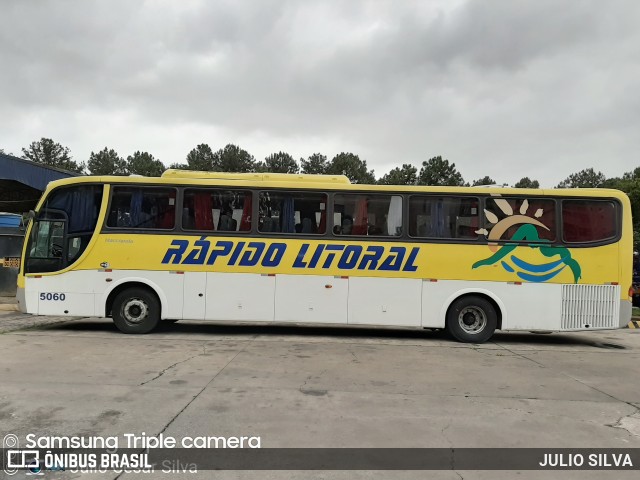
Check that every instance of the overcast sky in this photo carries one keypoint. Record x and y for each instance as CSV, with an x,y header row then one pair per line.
x,y
507,88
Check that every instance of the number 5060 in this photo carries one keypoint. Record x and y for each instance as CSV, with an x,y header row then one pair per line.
x,y
56,297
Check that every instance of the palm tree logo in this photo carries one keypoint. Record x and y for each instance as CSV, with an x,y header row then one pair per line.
x,y
527,231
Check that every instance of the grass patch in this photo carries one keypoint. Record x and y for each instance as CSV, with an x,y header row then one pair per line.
x,y
635,311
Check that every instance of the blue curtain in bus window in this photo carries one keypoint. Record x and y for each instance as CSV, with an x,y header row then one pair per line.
x,y
83,211
287,216
61,200
79,205
135,208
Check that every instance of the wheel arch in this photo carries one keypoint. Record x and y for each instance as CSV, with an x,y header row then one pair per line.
x,y
498,305
123,284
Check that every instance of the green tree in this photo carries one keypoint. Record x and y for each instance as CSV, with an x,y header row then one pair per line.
x,y
232,158
280,162
526,182
200,158
315,164
143,163
106,162
629,183
179,166
437,171
486,180
48,152
587,178
633,175
405,175
349,164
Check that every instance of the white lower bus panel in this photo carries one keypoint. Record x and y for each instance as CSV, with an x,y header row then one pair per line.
x,y
311,299
325,299
529,306
385,301
84,292
240,296
64,294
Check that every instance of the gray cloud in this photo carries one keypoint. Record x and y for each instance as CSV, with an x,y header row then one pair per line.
x,y
502,88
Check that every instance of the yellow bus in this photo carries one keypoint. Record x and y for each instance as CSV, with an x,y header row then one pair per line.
x,y
318,249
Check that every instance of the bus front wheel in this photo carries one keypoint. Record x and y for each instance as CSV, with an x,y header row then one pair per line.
x,y
472,319
136,310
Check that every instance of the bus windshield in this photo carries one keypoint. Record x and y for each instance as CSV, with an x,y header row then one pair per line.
x,y
63,228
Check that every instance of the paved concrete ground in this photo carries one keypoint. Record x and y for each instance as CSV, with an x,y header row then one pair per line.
x,y
322,387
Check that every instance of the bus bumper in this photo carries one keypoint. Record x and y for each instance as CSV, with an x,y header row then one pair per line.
x,y
625,313
22,301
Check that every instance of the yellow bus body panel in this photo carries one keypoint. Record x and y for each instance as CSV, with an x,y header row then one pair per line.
x,y
430,261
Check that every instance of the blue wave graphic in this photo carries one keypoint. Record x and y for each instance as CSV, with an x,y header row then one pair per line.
x,y
539,278
545,267
507,267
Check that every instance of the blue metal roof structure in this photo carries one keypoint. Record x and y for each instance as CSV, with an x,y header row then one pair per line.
x,y
35,175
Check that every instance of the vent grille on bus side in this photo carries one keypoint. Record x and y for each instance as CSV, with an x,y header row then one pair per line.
x,y
590,306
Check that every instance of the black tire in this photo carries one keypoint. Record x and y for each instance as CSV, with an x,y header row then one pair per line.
x,y
472,319
136,310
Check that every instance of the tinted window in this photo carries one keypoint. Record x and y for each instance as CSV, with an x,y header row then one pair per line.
x,y
285,212
367,214
46,248
56,244
217,210
526,219
81,205
588,220
142,207
443,217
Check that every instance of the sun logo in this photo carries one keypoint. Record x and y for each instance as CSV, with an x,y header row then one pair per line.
x,y
501,226
526,232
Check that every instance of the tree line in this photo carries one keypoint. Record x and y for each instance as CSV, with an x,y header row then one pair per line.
x,y
232,158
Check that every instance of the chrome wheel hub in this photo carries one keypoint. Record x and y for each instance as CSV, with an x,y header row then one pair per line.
x,y
472,319
135,310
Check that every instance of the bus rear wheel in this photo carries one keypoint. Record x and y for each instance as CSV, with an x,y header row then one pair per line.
x,y
136,310
472,319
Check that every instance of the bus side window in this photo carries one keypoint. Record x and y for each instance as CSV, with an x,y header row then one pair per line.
x,y
292,212
142,208
367,214
588,220
432,216
208,209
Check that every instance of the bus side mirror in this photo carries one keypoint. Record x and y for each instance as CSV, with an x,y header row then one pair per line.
x,y
31,215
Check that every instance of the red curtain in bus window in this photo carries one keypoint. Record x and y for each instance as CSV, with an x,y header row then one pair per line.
x,y
203,212
168,219
588,220
245,221
323,222
361,217
473,226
